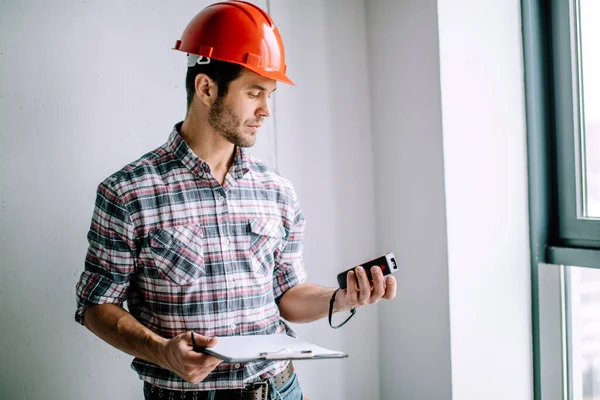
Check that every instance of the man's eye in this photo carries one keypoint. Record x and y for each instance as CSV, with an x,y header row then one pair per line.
x,y
253,96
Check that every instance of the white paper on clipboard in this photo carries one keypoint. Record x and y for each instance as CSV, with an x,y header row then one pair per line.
x,y
268,347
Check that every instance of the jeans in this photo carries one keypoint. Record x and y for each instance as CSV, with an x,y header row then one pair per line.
x,y
290,391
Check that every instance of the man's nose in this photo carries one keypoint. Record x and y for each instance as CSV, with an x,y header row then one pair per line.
x,y
265,109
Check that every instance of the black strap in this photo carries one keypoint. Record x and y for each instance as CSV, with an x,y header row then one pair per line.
x,y
352,311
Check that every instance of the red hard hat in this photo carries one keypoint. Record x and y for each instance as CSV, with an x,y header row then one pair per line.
x,y
237,32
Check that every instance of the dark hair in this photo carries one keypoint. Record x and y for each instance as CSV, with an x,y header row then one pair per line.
x,y
219,71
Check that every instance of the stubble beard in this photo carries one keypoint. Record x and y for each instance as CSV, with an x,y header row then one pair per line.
x,y
224,120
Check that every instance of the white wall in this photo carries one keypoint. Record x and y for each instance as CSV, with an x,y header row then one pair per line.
x,y
455,208
405,88
486,198
79,100
405,133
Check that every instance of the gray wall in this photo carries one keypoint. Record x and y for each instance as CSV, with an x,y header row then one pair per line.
x,y
411,215
323,145
377,137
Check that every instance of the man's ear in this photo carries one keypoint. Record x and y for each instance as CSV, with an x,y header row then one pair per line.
x,y
206,89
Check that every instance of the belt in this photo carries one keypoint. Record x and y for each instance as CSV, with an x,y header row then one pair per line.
x,y
255,391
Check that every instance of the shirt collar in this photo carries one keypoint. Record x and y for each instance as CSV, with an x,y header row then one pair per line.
x,y
195,164
241,163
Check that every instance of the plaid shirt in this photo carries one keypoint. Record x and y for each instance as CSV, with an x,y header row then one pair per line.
x,y
190,254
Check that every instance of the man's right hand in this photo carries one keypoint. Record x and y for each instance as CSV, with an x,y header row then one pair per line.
x,y
178,355
116,326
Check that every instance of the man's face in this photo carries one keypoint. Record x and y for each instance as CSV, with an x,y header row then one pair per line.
x,y
238,115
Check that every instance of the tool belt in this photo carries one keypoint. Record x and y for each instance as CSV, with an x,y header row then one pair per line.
x,y
254,391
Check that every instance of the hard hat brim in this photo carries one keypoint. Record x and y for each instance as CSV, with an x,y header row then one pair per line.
x,y
273,74
276,75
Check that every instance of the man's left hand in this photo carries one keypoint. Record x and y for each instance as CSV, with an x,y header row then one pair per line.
x,y
360,291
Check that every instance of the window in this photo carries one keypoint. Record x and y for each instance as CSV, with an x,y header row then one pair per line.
x,y
562,78
588,60
584,332
572,58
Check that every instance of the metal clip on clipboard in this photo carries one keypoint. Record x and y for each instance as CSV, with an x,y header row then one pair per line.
x,y
287,353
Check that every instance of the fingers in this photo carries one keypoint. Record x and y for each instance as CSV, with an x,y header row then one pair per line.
x,y
352,285
378,285
197,371
198,342
349,298
197,357
201,341
364,286
196,366
210,362
200,361
355,281
390,288
361,292
181,358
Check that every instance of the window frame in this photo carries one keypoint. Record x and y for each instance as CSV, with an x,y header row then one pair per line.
x,y
558,236
573,230
562,236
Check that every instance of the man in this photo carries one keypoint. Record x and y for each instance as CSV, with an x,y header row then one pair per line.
x,y
200,237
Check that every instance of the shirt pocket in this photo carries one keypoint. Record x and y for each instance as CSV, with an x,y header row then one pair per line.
x,y
178,253
266,237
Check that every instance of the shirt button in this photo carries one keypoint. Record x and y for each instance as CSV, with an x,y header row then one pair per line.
x,y
220,199
231,284
233,326
236,366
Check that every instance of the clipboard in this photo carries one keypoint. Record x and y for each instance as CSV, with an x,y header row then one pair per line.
x,y
238,349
